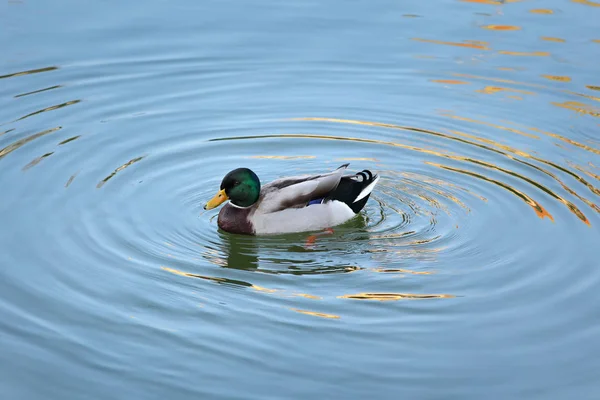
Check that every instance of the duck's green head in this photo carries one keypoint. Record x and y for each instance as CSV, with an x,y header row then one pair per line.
x,y
241,186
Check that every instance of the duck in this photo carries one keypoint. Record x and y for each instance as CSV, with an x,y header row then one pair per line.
x,y
291,204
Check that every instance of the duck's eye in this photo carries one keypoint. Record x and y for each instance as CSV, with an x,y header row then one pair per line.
x,y
235,183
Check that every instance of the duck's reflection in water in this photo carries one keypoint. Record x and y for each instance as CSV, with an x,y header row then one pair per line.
x,y
293,254
241,251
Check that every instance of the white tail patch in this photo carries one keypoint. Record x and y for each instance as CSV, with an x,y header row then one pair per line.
x,y
367,190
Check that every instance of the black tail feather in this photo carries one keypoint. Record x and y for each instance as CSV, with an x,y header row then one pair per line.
x,y
350,188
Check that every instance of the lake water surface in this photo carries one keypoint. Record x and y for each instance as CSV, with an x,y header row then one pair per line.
x,y
472,273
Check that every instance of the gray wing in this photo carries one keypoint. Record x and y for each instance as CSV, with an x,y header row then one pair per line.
x,y
297,191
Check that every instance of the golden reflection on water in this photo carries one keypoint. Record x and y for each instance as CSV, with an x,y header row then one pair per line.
x,y
541,11
263,289
557,78
421,180
553,39
29,72
51,108
525,53
496,89
477,45
502,27
580,108
394,296
449,81
236,283
501,127
308,296
316,314
12,147
592,87
539,210
585,171
122,167
213,279
587,3
483,78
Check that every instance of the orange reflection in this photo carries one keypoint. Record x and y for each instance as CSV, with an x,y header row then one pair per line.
x,y
541,11
525,53
591,87
587,3
483,78
526,155
580,108
502,27
479,45
557,78
553,39
539,210
316,314
496,89
449,81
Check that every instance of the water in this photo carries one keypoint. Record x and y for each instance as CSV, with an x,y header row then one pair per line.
x,y
471,273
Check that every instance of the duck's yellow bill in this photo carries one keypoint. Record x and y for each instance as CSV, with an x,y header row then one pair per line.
x,y
217,200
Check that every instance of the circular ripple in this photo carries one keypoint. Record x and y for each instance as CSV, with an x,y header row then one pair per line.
x,y
135,200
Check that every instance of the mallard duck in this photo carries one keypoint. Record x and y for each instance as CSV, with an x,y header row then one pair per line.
x,y
293,204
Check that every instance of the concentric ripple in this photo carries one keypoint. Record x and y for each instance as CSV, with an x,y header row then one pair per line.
x,y
434,181
482,231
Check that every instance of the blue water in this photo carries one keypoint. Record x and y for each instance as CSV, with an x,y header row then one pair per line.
x,y
471,273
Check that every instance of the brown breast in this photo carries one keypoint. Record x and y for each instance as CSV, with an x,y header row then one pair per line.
x,y
235,220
